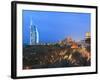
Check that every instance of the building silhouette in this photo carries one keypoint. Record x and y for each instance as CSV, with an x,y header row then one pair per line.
x,y
34,34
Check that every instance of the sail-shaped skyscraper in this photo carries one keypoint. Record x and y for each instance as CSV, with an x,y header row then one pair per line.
x,y
34,34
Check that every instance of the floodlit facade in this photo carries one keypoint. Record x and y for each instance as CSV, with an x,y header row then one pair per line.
x,y
87,35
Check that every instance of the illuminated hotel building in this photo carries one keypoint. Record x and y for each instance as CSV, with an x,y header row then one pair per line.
x,y
34,35
88,37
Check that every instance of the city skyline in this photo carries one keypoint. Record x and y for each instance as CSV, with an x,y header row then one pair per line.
x,y
55,26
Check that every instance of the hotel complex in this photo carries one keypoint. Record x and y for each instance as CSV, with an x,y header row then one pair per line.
x,y
34,34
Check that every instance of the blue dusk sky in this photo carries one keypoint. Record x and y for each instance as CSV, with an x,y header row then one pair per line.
x,y
56,26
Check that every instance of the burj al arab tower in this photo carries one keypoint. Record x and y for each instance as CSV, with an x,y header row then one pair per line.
x,y
34,34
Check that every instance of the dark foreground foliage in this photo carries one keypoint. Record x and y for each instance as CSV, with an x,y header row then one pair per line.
x,y
54,56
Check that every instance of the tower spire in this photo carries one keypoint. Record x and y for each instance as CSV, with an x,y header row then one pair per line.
x,y
31,22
